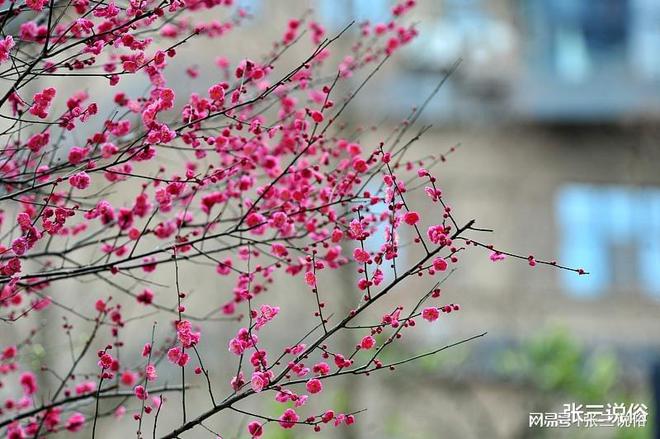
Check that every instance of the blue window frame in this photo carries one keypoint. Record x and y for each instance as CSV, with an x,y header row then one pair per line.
x,y
614,233
377,239
338,13
252,6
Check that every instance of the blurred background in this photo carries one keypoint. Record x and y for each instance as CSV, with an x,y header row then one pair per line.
x,y
555,116
556,111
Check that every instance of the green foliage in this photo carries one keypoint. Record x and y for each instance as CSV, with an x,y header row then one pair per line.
x,y
557,366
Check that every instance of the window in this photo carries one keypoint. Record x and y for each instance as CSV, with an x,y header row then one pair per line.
x,y
579,38
467,29
251,6
614,233
338,13
645,38
379,238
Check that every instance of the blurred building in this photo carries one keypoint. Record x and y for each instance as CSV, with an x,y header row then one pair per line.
x,y
556,106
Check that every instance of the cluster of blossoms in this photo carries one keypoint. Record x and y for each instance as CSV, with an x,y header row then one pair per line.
x,y
253,177
6,44
188,339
